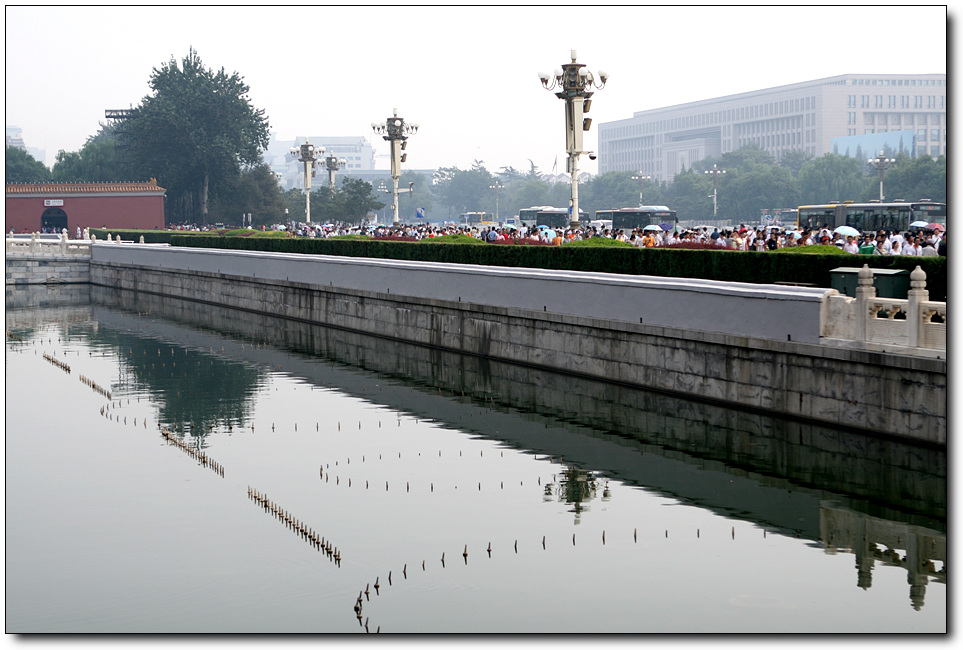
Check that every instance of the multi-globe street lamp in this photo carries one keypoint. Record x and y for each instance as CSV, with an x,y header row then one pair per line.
x,y
497,186
332,163
715,173
574,82
639,177
882,163
308,154
396,131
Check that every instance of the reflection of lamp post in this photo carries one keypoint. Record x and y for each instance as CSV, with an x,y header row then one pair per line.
x,y
333,164
396,132
576,487
574,81
641,180
308,155
882,163
497,186
715,172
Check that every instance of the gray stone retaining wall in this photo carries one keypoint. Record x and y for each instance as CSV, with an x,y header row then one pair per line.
x,y
891,394
24,268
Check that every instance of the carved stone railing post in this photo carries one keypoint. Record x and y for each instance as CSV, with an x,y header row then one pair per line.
x,y
33,242
63,242
865,291
141,239
914,313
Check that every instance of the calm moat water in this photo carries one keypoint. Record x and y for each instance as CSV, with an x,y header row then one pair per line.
x,y
452,494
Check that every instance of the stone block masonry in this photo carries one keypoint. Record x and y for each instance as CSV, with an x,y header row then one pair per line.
x,y
46,269
750,347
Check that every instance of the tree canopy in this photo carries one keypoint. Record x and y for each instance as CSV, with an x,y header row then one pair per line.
x,y
23,168
195,132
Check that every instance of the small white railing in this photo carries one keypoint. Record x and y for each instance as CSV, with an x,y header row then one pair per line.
x,y
916,322
57,245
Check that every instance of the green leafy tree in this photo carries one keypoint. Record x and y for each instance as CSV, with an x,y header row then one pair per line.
x,y
690,196
466,191
195,132
912,179
526,193
509,175
255,191
420,196
746,157
98,161
794,159
831,178
359,199
749,192
24,168
533,172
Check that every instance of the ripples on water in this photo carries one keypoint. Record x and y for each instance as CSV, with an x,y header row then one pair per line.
x,y
605,510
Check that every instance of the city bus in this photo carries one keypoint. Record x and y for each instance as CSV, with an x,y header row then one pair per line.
x,y
546,215
871,217
640,217
477,218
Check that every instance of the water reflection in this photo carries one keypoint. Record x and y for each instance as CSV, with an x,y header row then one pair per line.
x,y
526,408
592,450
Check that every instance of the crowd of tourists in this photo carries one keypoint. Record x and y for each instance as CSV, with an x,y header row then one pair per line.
x,y
922,242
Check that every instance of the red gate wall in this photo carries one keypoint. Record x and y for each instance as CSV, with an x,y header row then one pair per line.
x,y
93,205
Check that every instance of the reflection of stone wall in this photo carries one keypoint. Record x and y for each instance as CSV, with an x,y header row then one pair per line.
x,y
895,395
913,548
785,453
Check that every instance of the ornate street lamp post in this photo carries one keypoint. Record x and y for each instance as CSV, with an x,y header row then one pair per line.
x,y
333,164
882,163
715,172
639,177
574,82
396,131
308,154
497,186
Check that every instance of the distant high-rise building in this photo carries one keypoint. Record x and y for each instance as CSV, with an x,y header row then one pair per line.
x,y
356,150
14,138
805,116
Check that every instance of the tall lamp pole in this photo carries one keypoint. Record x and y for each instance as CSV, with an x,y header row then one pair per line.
x,y
715,172
497,186
882,163
308,154
396,131
639,177
574,82
333,164
382,188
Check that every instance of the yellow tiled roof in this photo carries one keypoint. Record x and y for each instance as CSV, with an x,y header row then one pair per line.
x,y
81,188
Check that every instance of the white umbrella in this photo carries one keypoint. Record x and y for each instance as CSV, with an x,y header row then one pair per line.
x,y
847,231
653,227
919,224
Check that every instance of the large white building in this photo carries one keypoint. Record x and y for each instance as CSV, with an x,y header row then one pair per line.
x,y
356,150
663,141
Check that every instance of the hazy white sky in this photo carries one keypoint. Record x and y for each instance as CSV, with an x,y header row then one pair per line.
x,y
467,75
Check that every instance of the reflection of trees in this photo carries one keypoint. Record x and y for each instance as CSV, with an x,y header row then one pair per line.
x,y
576,487
192,388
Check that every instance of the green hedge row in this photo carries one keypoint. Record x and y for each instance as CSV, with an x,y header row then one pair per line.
x,y
754,267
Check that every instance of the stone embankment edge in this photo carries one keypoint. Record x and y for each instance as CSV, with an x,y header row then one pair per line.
x,y
881,393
